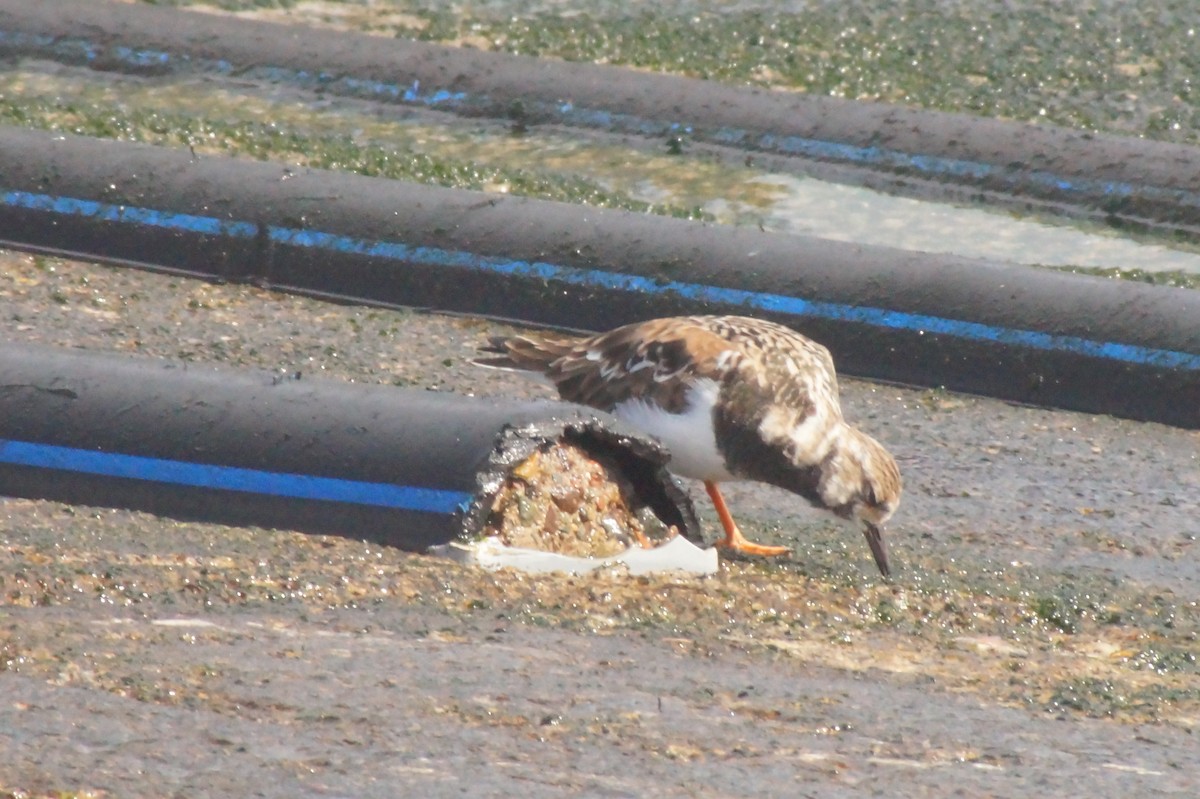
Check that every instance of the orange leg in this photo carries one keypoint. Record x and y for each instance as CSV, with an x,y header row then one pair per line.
x,y
734,541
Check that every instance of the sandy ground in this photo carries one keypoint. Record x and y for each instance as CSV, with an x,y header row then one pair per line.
x,y
1040,637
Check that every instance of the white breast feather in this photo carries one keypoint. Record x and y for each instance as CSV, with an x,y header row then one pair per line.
x,y
688,435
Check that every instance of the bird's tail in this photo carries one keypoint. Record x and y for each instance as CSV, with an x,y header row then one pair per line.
x,y
529,352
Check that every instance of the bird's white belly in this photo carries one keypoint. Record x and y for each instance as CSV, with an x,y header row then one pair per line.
x,y
689,435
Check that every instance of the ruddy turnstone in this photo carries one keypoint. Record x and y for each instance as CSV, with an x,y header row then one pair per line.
x,y
732,398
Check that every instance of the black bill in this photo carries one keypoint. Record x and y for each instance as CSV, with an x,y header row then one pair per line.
x,y
874,536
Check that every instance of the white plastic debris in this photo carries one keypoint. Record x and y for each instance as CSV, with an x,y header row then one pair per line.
x,y
677,555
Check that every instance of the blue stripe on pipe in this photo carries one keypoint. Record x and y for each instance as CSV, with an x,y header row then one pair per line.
x,y
231,478
459,259
599,118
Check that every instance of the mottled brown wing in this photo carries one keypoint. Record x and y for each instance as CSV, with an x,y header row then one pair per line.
x,y
654,361
780,349
765,364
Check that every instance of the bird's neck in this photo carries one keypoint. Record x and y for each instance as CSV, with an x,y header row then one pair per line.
x,y
750,458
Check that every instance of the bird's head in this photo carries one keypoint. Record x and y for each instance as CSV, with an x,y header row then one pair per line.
x,y
860,481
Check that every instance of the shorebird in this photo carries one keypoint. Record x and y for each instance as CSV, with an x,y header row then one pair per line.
x,y
732,398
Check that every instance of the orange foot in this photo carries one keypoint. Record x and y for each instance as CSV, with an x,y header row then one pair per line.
x,y
734,542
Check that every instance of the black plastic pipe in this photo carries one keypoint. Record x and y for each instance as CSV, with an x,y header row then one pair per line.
x,y
1122,180
1014,332
400,467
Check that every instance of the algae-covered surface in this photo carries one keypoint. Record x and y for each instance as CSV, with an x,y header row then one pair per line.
x,y
1121,68
1040,634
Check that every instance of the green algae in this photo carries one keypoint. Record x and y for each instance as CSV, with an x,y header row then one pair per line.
x,y
1120,67
313,144
1174,278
